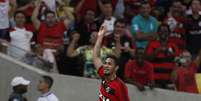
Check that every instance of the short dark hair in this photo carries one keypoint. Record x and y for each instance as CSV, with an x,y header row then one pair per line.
x,y
106,2
19,12
49,12
122,21
114,57
163,25
143,2
49,80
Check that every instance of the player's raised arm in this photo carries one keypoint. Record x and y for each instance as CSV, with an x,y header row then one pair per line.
x,y
96,51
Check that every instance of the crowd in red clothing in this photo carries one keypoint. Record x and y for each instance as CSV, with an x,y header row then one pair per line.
x,y
162,49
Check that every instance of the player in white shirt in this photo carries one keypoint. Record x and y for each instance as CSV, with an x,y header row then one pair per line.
x,y
44,87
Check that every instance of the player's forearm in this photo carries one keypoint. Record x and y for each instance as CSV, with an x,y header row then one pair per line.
x,y
97,46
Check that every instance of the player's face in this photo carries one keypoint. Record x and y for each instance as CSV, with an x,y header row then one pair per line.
x,y
109,67
42,85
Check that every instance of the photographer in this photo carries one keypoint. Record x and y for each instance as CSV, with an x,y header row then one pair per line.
x,y
184,75
161,54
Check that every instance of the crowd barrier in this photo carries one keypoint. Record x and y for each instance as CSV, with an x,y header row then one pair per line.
x,y
69,88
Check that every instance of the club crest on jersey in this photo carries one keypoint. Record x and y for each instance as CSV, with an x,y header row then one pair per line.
x,y
108,89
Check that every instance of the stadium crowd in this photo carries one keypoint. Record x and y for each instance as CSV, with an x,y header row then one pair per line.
x,y
157,42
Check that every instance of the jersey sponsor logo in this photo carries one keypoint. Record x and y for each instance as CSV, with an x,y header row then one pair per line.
x,y
108,89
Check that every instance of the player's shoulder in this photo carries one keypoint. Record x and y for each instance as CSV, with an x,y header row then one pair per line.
x,y
52,97
121,86
120,82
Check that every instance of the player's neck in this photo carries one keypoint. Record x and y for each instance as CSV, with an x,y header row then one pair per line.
x,y
45,91
111,77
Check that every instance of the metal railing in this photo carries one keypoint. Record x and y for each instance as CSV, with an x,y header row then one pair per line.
x,y
29,57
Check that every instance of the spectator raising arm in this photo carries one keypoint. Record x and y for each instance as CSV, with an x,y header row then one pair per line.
x,y
78,8
35,20
96,52
68,11
12,8
30,4
100,4
71,52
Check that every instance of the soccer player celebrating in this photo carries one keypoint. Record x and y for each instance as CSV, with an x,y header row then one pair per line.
x,y
112,88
